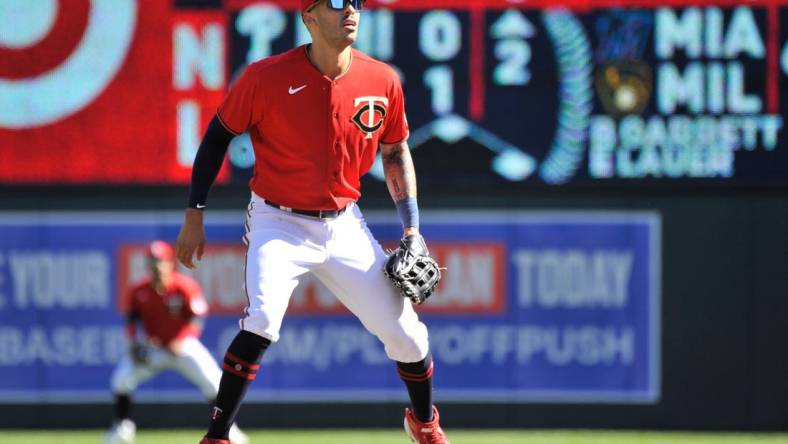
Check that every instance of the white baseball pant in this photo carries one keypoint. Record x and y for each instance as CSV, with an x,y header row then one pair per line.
x,y
342,253
195,364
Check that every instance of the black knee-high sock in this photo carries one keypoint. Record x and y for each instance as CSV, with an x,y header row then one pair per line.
x,y
240,366
418,378
122,406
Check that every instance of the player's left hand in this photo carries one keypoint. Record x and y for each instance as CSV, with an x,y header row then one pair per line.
x,y
140,353
411,269
191,239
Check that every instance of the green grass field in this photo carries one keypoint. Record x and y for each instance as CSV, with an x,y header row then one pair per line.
x,y
398,437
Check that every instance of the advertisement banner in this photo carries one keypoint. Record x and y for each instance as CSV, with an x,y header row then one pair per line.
x,y
533,307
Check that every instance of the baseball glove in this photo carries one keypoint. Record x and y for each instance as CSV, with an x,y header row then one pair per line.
x,y
140,353
412,270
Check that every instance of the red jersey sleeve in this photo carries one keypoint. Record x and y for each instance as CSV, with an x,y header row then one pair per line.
x,y
242,106
195,301
129,302
396,129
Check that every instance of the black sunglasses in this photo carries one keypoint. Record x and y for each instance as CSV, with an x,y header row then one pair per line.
x,y
339,5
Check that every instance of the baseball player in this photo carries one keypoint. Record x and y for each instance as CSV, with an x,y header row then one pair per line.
x,y
317,115
169,306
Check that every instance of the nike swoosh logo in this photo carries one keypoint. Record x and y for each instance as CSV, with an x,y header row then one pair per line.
x,y
295,90
200,206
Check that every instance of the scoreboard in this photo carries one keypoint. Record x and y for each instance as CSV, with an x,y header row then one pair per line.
x,y
500,94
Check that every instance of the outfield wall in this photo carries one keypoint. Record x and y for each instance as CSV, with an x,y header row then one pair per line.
x,y
715,361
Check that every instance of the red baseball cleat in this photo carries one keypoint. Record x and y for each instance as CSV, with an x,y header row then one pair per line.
x,y
425,432
207,440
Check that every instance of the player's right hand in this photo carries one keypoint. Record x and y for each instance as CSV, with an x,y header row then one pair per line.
x,y
191,239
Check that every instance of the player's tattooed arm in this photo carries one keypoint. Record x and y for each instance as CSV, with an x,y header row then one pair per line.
x,y
401,181
399,170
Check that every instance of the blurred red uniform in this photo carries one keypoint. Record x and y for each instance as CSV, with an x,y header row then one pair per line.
x,y
170,308
168,316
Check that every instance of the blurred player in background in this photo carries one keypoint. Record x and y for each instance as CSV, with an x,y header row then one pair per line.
x,y
170,307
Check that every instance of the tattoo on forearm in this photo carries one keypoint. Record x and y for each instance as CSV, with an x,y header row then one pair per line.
x,y
393,158
400,174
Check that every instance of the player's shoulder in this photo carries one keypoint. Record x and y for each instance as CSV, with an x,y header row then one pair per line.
x,y
181,279
372,65
141,286
187,284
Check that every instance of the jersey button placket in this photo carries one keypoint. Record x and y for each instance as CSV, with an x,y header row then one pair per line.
x,y
338,166
335,165
334,141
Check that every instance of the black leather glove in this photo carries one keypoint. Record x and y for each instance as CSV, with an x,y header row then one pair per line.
x,y
140,353
411,269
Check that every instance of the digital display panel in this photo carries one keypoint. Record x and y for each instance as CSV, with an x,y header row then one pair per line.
x,y
499,93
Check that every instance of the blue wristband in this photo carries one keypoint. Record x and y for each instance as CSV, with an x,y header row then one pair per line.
x,y
408,210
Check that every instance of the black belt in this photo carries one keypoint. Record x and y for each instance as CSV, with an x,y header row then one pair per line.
x,y
320,214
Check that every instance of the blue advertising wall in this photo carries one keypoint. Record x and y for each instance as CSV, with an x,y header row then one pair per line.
x,y
576,318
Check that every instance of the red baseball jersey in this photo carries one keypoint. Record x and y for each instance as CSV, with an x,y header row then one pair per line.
x,y
314,137
168,316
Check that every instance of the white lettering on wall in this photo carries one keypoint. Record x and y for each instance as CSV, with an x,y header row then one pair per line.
x,y
198,53
573,278
470,281
69,280
672,32
322,347
61,345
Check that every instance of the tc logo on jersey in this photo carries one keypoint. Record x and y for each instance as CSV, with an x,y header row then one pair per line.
x,y
370,112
